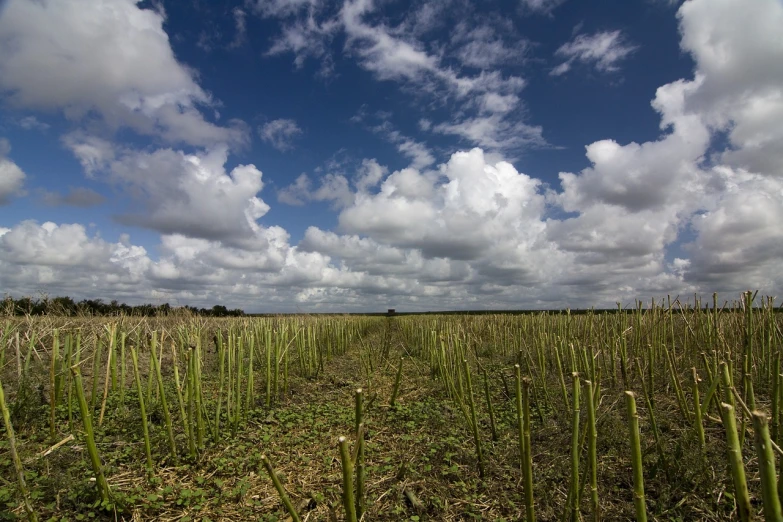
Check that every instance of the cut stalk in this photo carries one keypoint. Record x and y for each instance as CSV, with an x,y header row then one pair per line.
x,y
162,392
769,487
636,458
473,419
280,490
592,455
574,488
523,429
221,353
142,407
21,484
53,383
359,454
92,449
397,380
697,421
735,461
490,409
348,500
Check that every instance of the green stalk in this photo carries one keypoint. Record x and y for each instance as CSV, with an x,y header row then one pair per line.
x,y
162,391
561,375
122,368
229,379
180,399
711,397
150,380
636,458
677,388
249,396
221,375
766,456
697,421
473,420
268,348
96,364
280,490
200,428
285,372
397,381
775,398
348,500
520,420
53,383
779,378
112,356
490,409
279,341
574,495
523,429
31,515
238,394
142,407
92,449
63,376
592,455
190,400
106,379
735,461
359,454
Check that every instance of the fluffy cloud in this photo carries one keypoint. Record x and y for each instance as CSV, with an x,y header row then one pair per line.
x,y
650,175
64,259
175,192
459,218
697,209
11,176
113,60
603,50
636,199
739,240
280,133
741,76
333,188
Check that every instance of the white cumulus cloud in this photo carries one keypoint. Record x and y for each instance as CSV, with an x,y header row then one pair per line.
x,y
112,59
11,176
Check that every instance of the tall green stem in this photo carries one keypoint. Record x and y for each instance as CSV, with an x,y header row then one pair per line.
x,y
735,461
769,487
348,500
9,429
143,408
92,449
636,458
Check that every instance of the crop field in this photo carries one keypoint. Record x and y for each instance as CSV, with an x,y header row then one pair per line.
x,y
663,410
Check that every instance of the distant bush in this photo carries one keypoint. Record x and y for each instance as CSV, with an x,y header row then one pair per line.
x,y
66,306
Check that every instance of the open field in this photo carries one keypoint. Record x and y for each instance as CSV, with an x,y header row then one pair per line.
x,y
491,417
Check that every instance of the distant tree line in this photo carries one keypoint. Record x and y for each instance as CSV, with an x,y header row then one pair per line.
x,y
97,307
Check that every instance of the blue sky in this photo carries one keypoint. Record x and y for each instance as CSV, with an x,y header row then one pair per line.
x,y
317,155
